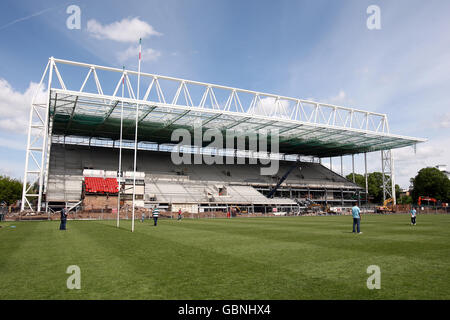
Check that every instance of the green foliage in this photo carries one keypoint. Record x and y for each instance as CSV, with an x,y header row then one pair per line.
x,y
431,182
359,179
10,190
397,191
405,200
375,185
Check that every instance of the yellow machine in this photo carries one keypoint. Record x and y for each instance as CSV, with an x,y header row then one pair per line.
x,y
238,209
387,206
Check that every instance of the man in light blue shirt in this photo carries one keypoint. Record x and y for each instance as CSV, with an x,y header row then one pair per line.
x,y
356,213
413,216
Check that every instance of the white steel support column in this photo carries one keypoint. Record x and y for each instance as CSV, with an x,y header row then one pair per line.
x,y
47,158
353,168
387,169
342,168
37,144
45,138
365,177
382,176
46,143
331,164
394,196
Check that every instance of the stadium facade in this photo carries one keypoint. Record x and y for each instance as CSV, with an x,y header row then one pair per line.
x,y
93,124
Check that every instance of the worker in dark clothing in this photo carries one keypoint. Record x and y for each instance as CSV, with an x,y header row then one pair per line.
x,y
155,215
62,226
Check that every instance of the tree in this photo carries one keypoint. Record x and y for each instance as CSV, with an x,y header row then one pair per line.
x,y
10,190
375,181
374,184
405,200
359,179
431,182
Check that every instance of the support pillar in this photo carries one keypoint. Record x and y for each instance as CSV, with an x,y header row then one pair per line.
x,y
37,144
359,198
387,169
366,177
353,168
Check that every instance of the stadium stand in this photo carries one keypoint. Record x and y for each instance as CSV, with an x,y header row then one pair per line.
x,y
164,182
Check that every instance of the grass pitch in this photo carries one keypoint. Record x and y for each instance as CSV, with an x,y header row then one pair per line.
x,y
244,258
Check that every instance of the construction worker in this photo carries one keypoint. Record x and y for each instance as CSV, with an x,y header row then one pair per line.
x,y
413,216
155,215
62,226
356,213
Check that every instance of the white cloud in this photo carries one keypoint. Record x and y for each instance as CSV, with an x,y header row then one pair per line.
x,y
15,106
268,106
443,122
428,154
340,98
126,30
133,52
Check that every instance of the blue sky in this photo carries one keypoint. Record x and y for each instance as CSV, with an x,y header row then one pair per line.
x,y
318,50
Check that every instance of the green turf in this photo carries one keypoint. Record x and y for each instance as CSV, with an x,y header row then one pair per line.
x,y
245,258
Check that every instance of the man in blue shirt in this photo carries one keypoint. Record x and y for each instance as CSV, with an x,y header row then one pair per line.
x,y
356,213
413,216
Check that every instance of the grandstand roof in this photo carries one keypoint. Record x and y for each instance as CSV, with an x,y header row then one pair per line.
x,y
305,127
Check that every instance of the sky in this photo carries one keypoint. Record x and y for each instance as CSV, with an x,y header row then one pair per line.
x,y
320,50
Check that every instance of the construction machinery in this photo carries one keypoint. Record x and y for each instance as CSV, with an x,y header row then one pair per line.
x,y
426,198
272,192
388,206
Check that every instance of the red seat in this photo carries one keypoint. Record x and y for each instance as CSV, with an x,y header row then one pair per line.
x,y
101,185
